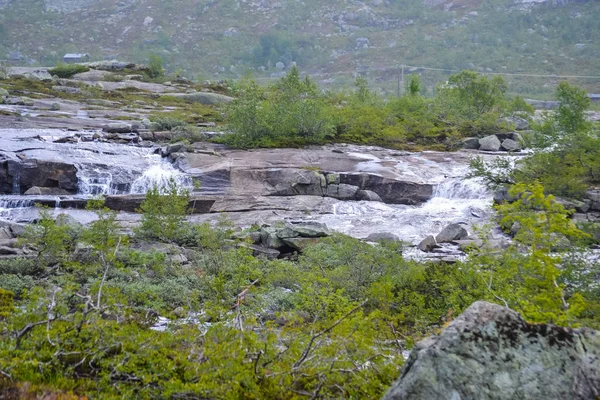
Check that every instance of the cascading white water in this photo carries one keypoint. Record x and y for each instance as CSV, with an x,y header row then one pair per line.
x,y
160,175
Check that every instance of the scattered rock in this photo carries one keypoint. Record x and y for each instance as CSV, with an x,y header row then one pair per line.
x,y
367,195
511,145
428,244
490,143
489,352
470,143
19,101
452,232
45,191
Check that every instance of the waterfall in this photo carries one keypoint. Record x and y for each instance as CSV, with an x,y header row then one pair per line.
x,y
461,188
160,175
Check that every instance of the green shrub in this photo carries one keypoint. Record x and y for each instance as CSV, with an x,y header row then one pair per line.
x,y
68,70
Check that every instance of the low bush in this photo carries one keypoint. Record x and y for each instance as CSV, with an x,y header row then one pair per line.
x,y
66,71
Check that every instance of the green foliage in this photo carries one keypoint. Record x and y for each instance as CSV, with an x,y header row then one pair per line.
x,y
495,174
66,71
528,279
415,86
291,111
6,303
570,116
164,211
518,105
471,95
155,66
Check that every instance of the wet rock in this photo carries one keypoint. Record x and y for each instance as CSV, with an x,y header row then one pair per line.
x,y
32,172
382,237
428,244
452,232
510,145
489,143
342,191
45,191
367,195
489,352
470,143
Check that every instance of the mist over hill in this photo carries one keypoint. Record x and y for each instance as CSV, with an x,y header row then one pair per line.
x,y
332,41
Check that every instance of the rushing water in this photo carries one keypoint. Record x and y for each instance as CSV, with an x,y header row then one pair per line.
x,y
108,169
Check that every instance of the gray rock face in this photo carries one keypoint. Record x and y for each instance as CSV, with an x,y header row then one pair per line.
x,y
511,145
428,244
452,232
117,127
490,143
470,143
490,353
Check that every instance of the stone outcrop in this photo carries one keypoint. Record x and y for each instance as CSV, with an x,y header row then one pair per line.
x,y
451,233
490,353
23,175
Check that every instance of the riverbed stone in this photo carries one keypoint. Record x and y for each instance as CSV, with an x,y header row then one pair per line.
x,y
428,244
510,145
470,143
452,232
491,353
367,195
489,143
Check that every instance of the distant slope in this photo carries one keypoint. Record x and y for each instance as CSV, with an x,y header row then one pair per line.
x,y
331,40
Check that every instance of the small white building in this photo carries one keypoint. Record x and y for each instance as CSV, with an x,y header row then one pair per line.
x,y
72,58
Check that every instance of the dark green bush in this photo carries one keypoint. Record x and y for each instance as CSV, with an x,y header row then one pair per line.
x,y
68,70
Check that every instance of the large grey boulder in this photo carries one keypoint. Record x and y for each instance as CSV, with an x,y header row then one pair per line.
x,y
490,353
428,244
489,143
511,145
451,233
470,143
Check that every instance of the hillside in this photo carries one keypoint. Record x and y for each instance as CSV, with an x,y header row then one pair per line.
x,y
332,41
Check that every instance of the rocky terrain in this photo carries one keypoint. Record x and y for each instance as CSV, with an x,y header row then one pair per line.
x,y
491,352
